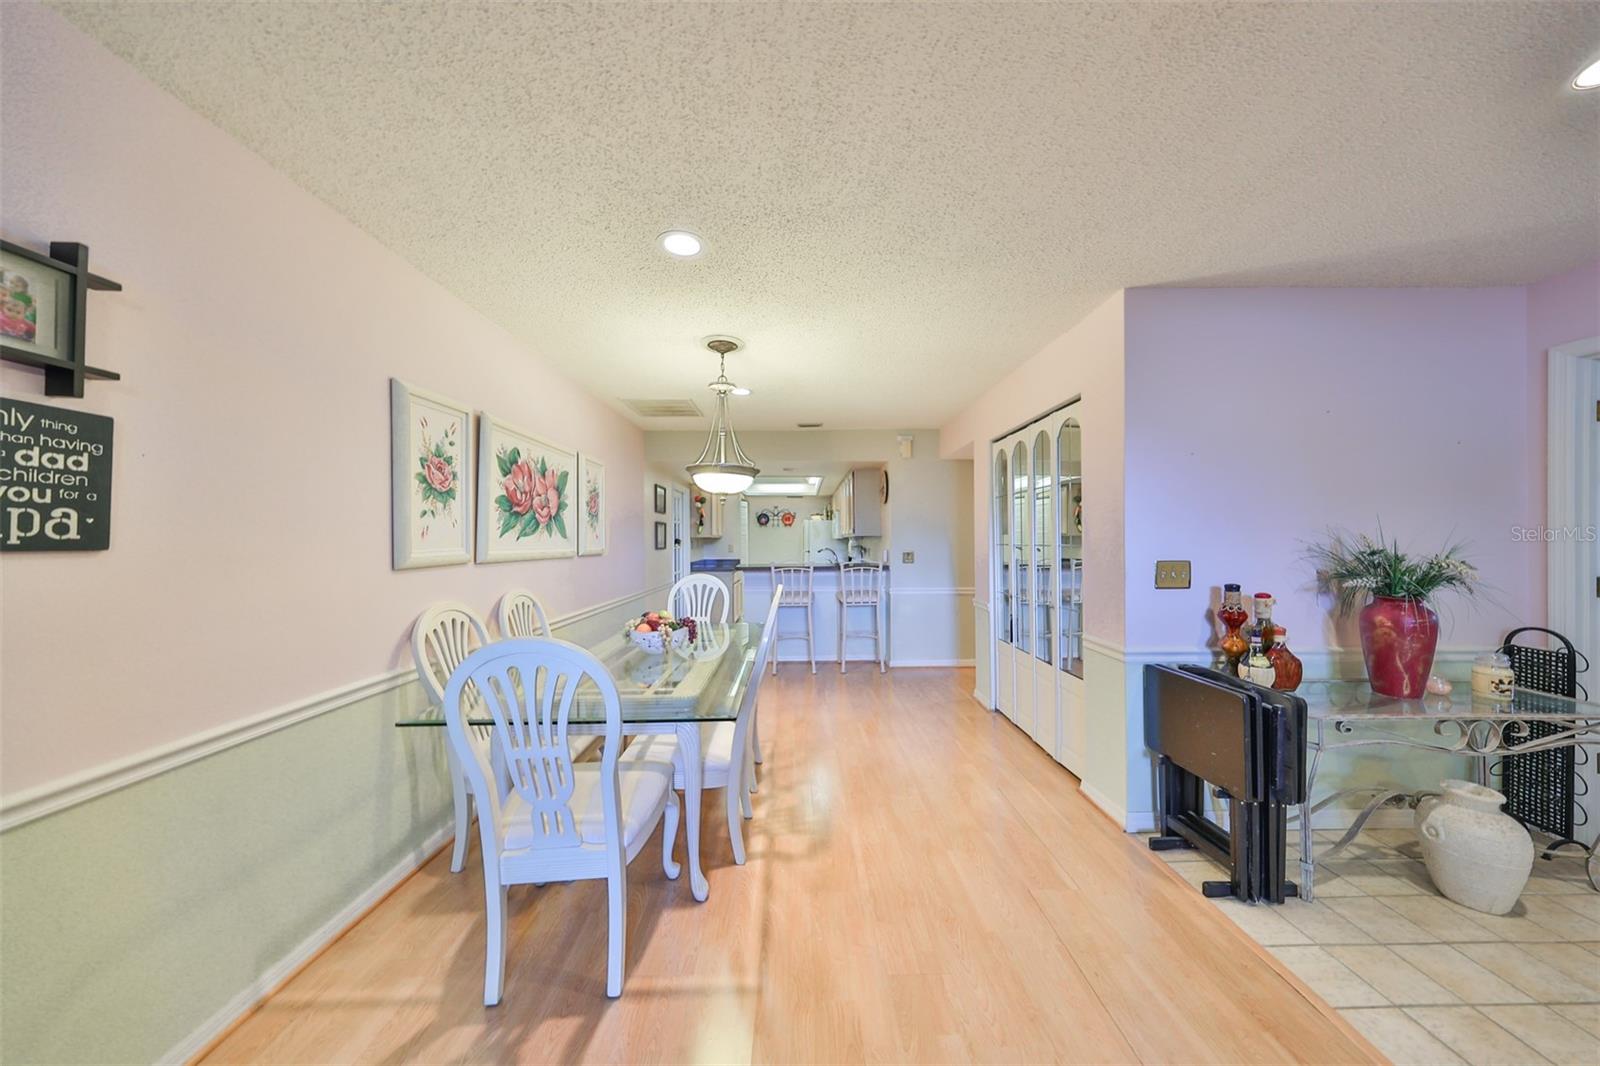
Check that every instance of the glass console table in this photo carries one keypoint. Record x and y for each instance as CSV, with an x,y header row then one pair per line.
x,y
1342,715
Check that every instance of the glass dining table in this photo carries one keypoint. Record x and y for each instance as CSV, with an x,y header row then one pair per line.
x,y
672,693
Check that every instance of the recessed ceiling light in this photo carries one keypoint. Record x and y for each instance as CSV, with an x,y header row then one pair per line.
x,y
1588,77
681,243
740,390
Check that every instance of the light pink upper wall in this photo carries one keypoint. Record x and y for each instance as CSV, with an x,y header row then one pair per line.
x,y
1085,361
256,333
1562,308
1258,417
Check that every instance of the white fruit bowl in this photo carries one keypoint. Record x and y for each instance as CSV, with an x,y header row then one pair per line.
x,y
654,642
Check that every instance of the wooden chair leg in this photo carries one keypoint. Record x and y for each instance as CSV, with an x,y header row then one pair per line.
x,y
811,640
458,857
844,618
494,963
669,837
617,934
734,790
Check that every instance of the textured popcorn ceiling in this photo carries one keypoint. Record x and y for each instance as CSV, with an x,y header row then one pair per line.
x,y
900,202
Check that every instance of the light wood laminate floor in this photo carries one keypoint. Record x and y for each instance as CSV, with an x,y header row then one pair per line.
x,y
924,885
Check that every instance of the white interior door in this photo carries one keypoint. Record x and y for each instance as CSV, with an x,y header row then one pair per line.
x,y
1001,582
1046,724
680,534
1022,570
1071,692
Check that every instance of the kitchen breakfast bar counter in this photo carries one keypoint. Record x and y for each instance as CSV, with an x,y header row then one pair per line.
x,y
757,581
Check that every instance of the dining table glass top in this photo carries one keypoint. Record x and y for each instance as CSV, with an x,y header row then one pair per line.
x,y
702,681
1353,701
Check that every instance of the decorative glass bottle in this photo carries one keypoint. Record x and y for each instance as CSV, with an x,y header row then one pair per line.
x,y
1263,629
1257,667
1287,668
1233,616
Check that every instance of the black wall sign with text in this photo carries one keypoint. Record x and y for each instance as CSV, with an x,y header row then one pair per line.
x,y
55,478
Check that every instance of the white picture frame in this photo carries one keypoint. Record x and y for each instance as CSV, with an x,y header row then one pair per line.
x,y
519,473
431,478
593,512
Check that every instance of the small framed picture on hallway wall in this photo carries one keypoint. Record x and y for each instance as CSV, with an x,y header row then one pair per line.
x,y
526,484
593,515
430,456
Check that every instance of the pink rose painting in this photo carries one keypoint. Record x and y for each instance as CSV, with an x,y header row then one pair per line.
x,y
436,474
533,496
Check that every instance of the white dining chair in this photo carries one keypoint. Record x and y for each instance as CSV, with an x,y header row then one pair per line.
x,y
441,639
521,615
548,819
703,598
725,747
861,585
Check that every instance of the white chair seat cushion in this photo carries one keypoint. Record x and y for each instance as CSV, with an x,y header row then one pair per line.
x,y
640,788
716,750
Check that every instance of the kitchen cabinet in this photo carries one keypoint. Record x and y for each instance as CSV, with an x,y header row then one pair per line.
x,y
858,504
709,512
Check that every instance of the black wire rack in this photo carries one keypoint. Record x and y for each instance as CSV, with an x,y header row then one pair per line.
x,y
1543,789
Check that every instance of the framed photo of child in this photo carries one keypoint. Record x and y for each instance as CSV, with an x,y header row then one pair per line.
x,y
35,306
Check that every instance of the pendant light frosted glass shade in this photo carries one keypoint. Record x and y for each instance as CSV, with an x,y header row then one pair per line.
x,y
723,467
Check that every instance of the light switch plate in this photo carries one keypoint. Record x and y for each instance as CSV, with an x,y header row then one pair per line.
x,y
1172,573
908,557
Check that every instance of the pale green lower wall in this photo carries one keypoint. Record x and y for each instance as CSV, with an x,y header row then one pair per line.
x,y
129,921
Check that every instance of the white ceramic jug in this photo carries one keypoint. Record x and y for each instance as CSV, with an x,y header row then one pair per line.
x,y
1476,855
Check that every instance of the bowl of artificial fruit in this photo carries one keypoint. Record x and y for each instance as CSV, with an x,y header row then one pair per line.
x,y
656,631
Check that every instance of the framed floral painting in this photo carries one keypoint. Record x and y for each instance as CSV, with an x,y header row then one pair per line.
x,y
431,467
528,506
592,515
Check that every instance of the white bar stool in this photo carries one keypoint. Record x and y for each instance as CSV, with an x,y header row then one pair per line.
x,y
861,585
796,584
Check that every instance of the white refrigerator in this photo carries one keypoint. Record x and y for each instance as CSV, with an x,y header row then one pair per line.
x,y
819,535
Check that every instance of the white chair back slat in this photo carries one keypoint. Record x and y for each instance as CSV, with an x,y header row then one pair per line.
x,y
795,582
528,687
703,598
861,584
521,615
442,638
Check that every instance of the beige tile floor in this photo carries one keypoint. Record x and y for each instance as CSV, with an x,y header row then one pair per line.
x,y
1429,981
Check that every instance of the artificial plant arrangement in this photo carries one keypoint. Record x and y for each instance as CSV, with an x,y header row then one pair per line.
x,y
1399,629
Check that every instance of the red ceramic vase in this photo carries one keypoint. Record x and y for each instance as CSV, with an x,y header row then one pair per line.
x,y
1398,639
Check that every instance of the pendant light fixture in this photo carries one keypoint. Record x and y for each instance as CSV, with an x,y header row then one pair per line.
x,y
723,467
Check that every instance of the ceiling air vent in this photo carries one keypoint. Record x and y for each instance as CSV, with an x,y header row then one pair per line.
x,y
808,425
663,408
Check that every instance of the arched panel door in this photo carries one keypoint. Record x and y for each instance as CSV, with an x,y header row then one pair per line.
x,y
1022,579
1003,607
1045,720
1072,696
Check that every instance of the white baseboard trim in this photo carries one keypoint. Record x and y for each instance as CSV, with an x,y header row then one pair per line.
x,y
191,1045
1104,802
930,662
58,795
